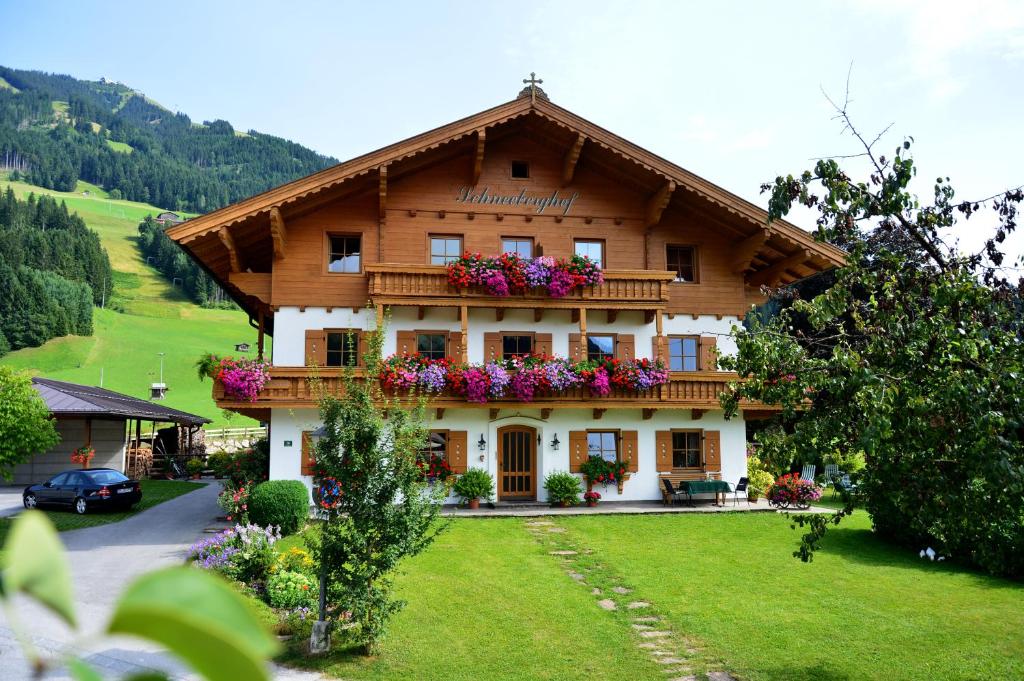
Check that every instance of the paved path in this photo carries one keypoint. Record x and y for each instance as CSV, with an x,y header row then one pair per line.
x,y
618,507
103,560
10,499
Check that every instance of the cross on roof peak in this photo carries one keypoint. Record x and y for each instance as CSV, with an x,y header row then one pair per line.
x,y
532,88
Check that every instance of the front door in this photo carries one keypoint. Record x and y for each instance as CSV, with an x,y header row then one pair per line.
x,y
517,463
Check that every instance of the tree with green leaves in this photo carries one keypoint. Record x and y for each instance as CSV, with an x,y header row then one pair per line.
x,y
376,506
26,427
912,358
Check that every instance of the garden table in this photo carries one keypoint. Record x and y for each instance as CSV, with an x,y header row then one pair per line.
x,y
706,487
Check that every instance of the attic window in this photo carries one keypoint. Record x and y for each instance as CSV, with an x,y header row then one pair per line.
x,y
520,170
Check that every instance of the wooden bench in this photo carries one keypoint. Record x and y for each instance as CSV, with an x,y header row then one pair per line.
x,y
676,477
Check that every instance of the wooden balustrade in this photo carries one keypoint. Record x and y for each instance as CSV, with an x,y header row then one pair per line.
x,y
299,387
428,285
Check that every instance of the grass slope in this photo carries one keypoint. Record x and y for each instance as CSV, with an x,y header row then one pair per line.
x,y
862,610
157,318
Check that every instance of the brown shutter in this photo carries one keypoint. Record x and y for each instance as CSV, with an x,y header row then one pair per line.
x,y
575,347
577,449
406,342
712,450
629,451
663,450
457,457
455,346
363,347
316,347
708,358
542,344
492,346
308,460
625,346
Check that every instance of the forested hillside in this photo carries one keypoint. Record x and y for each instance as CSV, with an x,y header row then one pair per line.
x,y
55,130
52,271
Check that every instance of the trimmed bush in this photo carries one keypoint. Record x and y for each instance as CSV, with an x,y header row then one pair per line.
x,y
563,488
220,464
284,503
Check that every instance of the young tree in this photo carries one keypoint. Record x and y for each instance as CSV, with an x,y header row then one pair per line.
x,y
377,507
913,357
25,424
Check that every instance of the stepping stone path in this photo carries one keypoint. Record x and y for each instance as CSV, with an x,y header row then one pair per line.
x,y
556,530
636,605
562,553
621,590
577,576
607,604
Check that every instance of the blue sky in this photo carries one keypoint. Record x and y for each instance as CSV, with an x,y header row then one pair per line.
x,y
730,90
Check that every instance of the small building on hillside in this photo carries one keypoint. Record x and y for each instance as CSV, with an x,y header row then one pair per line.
x,y
169,218
109,422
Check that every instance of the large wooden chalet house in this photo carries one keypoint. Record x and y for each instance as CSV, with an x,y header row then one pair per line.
x,y
682,260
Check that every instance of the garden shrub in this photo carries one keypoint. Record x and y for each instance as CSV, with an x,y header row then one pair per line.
x,y
220,464
563,488
284,503
251,466
287,589
475,483
295,560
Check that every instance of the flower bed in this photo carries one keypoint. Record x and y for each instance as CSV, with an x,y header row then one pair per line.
x,y
509,273
790,490
519,378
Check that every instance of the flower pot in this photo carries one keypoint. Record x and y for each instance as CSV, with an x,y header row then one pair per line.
x,y
752,498
564,503
473,504
591,504
196,476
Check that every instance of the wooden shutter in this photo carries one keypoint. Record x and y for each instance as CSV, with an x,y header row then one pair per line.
x,y
625,346
406,342
316,347
308,460
455,346
457,456
363,347
629,451
575,347
542,344
492,346
663,450
708,358
712,450
577,449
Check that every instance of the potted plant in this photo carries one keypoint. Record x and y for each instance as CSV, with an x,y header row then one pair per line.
x,y
759,482
592,498
563,489
195,467
83,455
474,484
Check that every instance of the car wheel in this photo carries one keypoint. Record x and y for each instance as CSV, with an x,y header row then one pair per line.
x,y
80,506
29,500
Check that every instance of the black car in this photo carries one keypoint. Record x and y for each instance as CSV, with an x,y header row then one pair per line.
x,y
85,489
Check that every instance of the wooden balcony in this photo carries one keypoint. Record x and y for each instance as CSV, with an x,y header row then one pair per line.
x,y
298,388
415,285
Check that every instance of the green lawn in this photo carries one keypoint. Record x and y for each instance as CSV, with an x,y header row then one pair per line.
x,y
487,602
861,610
153,492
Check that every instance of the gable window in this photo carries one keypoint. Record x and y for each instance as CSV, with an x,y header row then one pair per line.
x,y
686,449
591,248
345,256
432,345
600,347
520,170
520,246
342,349
603,443
445,249
682,353
683,262
516,345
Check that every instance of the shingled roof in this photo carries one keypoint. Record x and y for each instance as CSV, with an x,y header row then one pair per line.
x,y
72,399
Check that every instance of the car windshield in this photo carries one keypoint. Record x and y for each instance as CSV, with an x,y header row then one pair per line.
x,y
105,477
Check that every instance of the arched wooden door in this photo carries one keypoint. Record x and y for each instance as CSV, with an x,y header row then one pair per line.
x,y
517,463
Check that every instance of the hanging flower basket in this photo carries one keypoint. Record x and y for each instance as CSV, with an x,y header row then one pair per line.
x,y
510,274
83,455
242,379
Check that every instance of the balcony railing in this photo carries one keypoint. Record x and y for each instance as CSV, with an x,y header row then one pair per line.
x,y
428,285
299,387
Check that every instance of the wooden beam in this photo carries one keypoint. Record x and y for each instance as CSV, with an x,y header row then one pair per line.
x,y
499,314
696,414
277,232
572,157
598,413
649,316
439,414
464,318
773,272
648,413
494,413
382,192
745,251
656,204
255,284
229,243
420,311
612,316
478,158
538,314
545,413
260,324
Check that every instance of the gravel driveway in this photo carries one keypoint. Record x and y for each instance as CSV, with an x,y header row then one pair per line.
x,y
103,560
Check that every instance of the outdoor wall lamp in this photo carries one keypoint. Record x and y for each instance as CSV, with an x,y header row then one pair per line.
x,y
482,444
554,443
